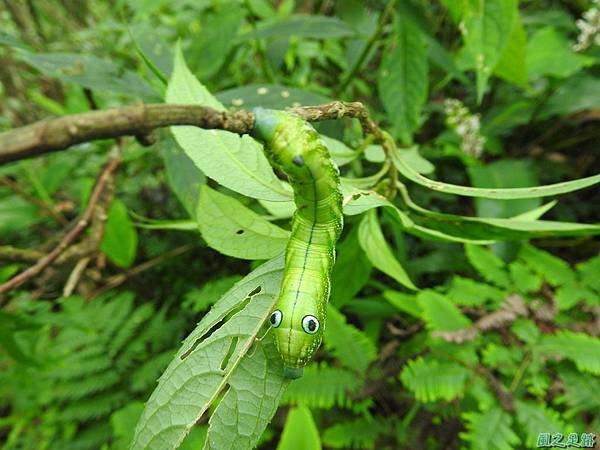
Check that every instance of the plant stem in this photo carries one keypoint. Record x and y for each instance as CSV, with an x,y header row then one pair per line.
x,y
383,18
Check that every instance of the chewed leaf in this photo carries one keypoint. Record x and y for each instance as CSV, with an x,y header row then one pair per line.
x,y
234,230
223,354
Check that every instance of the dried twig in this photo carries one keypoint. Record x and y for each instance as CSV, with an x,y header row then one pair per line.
x,y
513,307
139,120
120,278
68,238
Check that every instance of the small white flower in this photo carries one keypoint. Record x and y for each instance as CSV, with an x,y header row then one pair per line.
x,y
466,125
237,102
589,28
262,90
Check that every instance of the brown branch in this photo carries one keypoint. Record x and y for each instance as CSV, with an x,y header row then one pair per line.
x,y
120,278
60,133
139,120
68,238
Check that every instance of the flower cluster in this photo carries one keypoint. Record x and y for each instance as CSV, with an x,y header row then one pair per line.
x,y
589,28
466,125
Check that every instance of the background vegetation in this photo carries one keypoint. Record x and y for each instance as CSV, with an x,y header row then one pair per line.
x,y
500,342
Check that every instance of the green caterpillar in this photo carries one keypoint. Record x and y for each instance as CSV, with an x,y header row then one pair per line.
x,y
298,320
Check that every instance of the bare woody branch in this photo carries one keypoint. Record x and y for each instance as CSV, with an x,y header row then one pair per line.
x,y
70,236
140,120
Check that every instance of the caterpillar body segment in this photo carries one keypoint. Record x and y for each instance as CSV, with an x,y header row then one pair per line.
x,y
298,320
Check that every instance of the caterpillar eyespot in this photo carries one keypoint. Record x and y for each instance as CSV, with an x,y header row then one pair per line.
x,y
294,147
275,319
310,324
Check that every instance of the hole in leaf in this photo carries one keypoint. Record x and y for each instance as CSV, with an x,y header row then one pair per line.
x,y
229,354
239,232
216,326
356,196
255,291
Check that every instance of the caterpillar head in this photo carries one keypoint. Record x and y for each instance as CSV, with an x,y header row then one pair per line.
x,y
298,334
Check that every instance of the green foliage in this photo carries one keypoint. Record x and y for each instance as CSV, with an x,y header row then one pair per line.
x,y
91,359
467,335
432,380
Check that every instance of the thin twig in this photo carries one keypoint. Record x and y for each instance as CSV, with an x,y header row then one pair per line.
x,y
68,238
120,278
75,276
383,18
47,209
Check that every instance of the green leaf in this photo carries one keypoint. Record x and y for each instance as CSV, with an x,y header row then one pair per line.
x,y
577,93
512,65
313,26
489,266
120,240
550,53
322,387
351,271
237,163
468,292
379,253
536,418
523,278
198,300
403,78
553,269
184,177
89,71
580,348
123,423
357,433
589,271
300,431
404,302
431,380
439,313
340,152
347,343
486,32
502,174
234,230
210,45
222,355
580,392
274,96
508,194
490,429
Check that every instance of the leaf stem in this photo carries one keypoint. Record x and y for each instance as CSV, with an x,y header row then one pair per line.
x,y
383,18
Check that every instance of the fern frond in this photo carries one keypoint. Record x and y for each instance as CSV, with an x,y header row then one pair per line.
x,y
323,387
439,313
589,271
554,270
129,329
490,430
431,380
84,386
467,292
582,349
581,393
146,375
100,405
90,437
488,265
535,418
347,343
359,433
